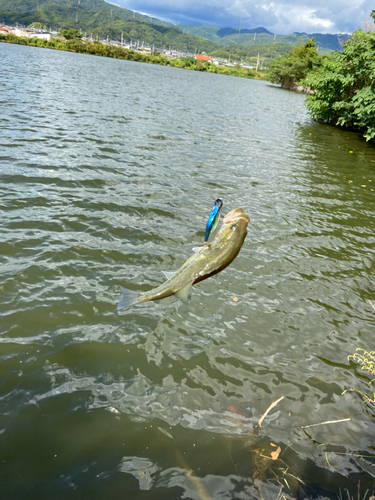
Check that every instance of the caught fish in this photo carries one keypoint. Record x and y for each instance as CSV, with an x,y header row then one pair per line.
x,y
213,219
207,262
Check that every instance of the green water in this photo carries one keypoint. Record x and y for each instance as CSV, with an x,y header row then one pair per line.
x,y
108,172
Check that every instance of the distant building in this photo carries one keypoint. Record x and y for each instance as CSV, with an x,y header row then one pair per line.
x,y
18,32
203,58
4,29
39,34
30,33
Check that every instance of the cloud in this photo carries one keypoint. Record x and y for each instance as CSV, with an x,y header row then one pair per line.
x,y
278,16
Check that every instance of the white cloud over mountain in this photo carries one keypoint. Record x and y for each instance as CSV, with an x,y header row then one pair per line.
x,y
278,16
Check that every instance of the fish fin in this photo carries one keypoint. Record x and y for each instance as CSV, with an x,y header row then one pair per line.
x,y
169,274
128,299
183,293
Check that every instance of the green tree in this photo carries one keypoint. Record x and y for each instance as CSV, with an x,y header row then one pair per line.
x,y
293,67
70,34
344,86
36,25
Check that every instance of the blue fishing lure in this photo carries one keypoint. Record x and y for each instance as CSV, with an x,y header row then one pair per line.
x,y
213,219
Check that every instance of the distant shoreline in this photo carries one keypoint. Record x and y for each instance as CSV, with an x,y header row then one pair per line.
x,y
100,49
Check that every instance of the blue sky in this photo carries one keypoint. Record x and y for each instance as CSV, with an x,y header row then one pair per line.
x,y
278,16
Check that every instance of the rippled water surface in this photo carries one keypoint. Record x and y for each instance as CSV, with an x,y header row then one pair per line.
x,y
108,172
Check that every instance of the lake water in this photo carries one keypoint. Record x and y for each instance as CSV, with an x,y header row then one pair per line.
x,y
108,172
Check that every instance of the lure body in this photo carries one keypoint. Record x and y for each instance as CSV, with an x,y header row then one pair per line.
x,y
213,219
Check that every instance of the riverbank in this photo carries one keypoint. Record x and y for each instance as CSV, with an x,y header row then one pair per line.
x,y
116,52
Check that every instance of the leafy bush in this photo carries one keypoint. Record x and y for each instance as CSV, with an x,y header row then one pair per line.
x,y
70,34
344,86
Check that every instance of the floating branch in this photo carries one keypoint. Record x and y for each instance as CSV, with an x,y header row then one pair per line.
x,y
323,423
266,412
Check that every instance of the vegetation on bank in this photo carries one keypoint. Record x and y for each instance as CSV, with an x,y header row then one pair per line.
x,y
73,44
342,84
193,64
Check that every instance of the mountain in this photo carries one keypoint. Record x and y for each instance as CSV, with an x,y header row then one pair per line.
x,y
327,41
216,34
27,6
205,31
261,36
221,33
102,20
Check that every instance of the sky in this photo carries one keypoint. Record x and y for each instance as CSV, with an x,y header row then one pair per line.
x,y
278,16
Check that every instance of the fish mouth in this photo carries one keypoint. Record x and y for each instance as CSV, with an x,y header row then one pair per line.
x,y
236,215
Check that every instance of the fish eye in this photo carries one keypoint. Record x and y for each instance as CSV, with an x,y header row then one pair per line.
x,y
233,227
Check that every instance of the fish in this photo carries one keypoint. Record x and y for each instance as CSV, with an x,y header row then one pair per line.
x,y
213,219
200,266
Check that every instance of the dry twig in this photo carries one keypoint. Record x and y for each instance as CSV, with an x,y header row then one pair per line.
x,y
266,412
322,423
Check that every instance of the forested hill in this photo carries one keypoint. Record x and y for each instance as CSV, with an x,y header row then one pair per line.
x,y
28,6
222,32
261,36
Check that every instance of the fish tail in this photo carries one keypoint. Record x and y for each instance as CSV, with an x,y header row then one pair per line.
x,y
128,299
